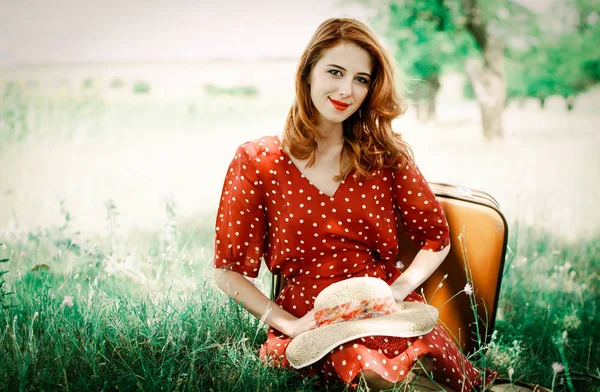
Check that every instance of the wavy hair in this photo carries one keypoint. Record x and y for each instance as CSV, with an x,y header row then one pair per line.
x,y
369,141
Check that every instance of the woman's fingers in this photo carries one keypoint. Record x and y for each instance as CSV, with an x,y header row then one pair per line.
x,y
313,322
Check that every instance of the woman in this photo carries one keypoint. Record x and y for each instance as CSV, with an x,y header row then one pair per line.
x,y
318,201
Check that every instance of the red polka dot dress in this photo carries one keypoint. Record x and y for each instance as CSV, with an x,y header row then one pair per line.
x,y
270,210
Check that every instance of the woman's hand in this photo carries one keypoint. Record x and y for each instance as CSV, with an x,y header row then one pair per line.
x,y
422,267
302,324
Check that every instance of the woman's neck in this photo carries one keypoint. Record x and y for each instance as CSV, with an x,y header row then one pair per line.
x,y
333,136
332,140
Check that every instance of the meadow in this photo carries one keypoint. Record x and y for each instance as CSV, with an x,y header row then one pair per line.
x,y
108,192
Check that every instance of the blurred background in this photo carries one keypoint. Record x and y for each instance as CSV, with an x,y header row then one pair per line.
x,y
122,115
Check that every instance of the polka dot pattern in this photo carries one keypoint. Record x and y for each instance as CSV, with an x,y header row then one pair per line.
x,y
269,209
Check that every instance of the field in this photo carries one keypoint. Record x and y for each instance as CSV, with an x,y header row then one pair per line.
x,y
107,200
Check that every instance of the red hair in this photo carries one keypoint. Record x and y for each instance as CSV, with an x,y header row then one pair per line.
x,y
369,140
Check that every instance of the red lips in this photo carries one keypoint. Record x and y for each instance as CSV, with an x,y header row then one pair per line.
x,y
339,105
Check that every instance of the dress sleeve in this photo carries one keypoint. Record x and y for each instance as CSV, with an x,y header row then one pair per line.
x,y
240,224
422,214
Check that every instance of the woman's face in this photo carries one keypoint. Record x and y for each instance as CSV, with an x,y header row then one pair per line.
x,y
339,82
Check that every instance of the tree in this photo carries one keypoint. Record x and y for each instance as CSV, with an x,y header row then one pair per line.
x,y
493,27
430,37
488,79
561,58
507,50
419,32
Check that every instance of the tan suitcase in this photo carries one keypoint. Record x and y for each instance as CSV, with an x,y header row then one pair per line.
x,y
479,236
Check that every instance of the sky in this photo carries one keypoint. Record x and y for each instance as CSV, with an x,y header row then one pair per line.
x,y
83,31
34,31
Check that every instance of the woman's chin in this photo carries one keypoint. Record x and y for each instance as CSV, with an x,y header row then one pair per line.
x,y
334,120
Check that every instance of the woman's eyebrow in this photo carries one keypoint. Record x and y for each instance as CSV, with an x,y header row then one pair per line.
x,y
344,69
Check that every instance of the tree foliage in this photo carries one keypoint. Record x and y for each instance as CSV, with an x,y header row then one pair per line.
x,y
424,37
429,37
565,63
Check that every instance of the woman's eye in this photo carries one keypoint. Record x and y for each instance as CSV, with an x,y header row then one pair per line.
x,y
335,72
362,80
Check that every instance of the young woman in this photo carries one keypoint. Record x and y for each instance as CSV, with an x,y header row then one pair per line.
x,y
318,203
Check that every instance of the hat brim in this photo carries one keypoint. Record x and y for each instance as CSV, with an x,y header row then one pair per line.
x,y
413,319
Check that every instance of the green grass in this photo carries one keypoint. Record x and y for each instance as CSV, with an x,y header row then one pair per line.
x,y
123,332
156,321
549,306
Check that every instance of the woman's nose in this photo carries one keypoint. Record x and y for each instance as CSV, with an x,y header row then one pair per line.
x,y
345,87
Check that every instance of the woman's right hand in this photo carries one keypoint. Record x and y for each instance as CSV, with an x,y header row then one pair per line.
x,y
236,286
302,324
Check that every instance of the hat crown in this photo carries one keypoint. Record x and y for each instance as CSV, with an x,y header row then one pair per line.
x,y
356,289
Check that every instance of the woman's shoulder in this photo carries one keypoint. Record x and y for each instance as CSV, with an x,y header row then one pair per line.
x,y
263,147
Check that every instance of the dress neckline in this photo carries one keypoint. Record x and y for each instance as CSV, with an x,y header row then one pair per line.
x,y
305,178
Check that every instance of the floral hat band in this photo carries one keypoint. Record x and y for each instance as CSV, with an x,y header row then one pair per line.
x,y
356,310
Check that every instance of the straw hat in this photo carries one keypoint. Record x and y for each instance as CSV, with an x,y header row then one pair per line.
x,y
355,308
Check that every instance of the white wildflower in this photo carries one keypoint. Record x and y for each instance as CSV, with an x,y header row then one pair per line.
x,y
468,289
67,301
558,367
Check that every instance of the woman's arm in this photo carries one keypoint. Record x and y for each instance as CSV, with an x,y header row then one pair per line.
x,y
424,222
236,286
424,264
